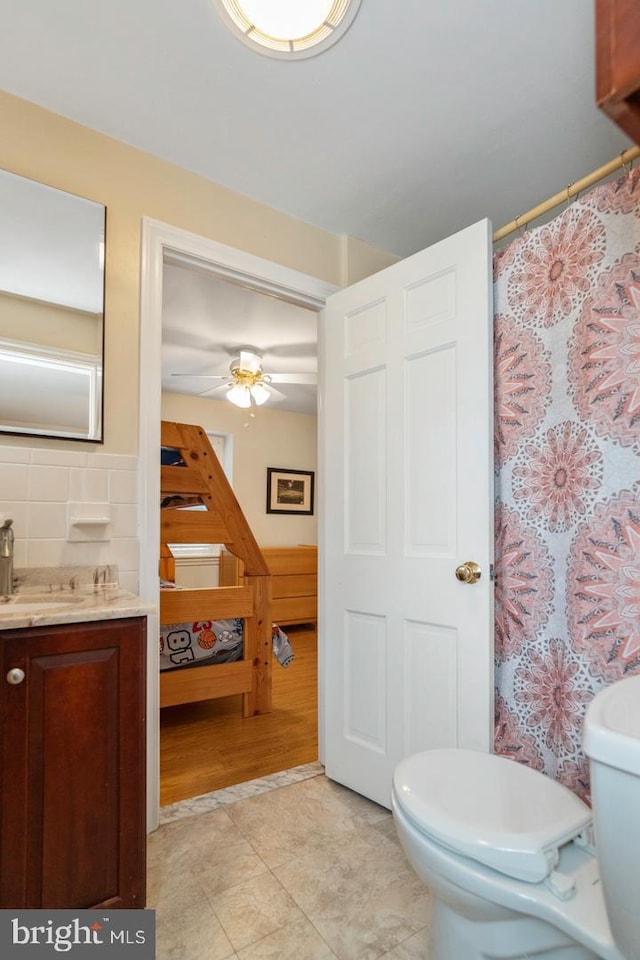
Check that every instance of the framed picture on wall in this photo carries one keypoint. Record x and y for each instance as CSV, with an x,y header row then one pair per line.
x,y
289,491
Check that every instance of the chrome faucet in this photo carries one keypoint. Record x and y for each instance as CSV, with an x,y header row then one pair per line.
x,y
6,558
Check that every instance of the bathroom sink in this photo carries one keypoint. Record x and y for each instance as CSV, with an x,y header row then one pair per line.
x,y
28,603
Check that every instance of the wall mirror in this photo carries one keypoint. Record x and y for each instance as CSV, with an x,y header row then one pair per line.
x,y
52,248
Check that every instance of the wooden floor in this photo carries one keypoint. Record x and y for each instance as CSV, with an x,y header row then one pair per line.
x,y
207,746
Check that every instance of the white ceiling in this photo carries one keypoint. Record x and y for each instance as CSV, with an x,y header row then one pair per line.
x,y
205,320
424,118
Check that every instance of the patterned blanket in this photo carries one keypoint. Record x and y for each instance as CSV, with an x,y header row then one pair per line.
x,y
213,641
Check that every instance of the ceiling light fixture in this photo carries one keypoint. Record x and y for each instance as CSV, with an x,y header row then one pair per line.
x,y
288,28
248,388
245,396
240,396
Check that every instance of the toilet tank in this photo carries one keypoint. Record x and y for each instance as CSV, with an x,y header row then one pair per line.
x,y
612,743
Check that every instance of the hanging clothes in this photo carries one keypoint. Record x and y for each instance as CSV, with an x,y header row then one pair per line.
x,y
567,456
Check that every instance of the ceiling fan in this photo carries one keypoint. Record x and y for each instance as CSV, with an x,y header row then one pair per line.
x,y
247,384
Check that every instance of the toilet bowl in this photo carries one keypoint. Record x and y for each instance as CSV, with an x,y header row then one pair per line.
x,y
508,853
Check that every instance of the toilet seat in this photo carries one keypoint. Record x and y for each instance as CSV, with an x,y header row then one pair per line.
x,y
490,809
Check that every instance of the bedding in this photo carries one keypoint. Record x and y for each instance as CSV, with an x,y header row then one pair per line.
x,y
186,644
212,641
171,457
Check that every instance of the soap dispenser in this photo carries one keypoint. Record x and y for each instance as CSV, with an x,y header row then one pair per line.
x,y
6,558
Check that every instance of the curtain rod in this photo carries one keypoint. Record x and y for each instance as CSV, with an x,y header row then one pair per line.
x,y
626,156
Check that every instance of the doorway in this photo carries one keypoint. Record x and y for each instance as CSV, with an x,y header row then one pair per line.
x,y
158,242
209,746
209,323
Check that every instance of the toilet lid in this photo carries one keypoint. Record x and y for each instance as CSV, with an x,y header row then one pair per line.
x,y
491,809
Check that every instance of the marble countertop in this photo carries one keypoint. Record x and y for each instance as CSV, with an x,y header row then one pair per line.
x,y
41,599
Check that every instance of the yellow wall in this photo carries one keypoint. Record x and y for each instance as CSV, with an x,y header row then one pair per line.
x,y
49,324
133,184
359,260
274,439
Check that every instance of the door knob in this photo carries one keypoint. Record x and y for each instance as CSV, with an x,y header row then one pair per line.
x,y
468,572
15,676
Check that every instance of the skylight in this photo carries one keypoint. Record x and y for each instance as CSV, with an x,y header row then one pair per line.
x,y
288,28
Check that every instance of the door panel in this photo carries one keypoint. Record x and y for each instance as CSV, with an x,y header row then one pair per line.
x,y
407,399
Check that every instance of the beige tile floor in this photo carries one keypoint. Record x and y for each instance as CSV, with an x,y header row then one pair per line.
x,y
309,871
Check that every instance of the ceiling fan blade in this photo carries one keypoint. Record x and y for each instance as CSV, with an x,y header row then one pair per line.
x,y
274,394
210,390
311,378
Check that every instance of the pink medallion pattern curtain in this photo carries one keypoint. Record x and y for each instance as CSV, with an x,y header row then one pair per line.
x,y
567,455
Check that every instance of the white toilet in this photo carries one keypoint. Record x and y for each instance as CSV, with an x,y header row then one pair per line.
x,y
507,852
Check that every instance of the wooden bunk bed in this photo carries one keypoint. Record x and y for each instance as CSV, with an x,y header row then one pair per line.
x,y
201,477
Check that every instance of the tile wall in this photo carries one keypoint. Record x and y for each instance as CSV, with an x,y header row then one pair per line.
x,y
36,485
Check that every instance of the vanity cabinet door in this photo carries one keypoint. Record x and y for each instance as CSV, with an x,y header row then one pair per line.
x,y
72,770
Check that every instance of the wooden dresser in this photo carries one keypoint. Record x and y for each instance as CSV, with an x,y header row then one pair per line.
x,y
294,581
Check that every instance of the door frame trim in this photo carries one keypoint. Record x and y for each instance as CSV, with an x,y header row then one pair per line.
x,y
162,243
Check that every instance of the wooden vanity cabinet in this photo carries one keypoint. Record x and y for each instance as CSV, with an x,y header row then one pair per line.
x,y
72,766
618,63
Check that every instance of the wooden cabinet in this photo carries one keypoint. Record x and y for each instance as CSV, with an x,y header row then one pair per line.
x,y
72,766
618,63
294,581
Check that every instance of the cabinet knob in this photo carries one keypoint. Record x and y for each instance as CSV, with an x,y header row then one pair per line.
x,y
15,676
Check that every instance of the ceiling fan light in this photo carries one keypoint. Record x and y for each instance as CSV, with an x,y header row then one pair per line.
x,y
259,393
240,396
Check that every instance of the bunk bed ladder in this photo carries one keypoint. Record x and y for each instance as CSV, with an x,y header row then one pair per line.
x,y
202,476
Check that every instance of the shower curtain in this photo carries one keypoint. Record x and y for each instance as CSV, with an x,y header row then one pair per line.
x,y
567,456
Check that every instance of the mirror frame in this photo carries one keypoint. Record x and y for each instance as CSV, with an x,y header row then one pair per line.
x,y
58,359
